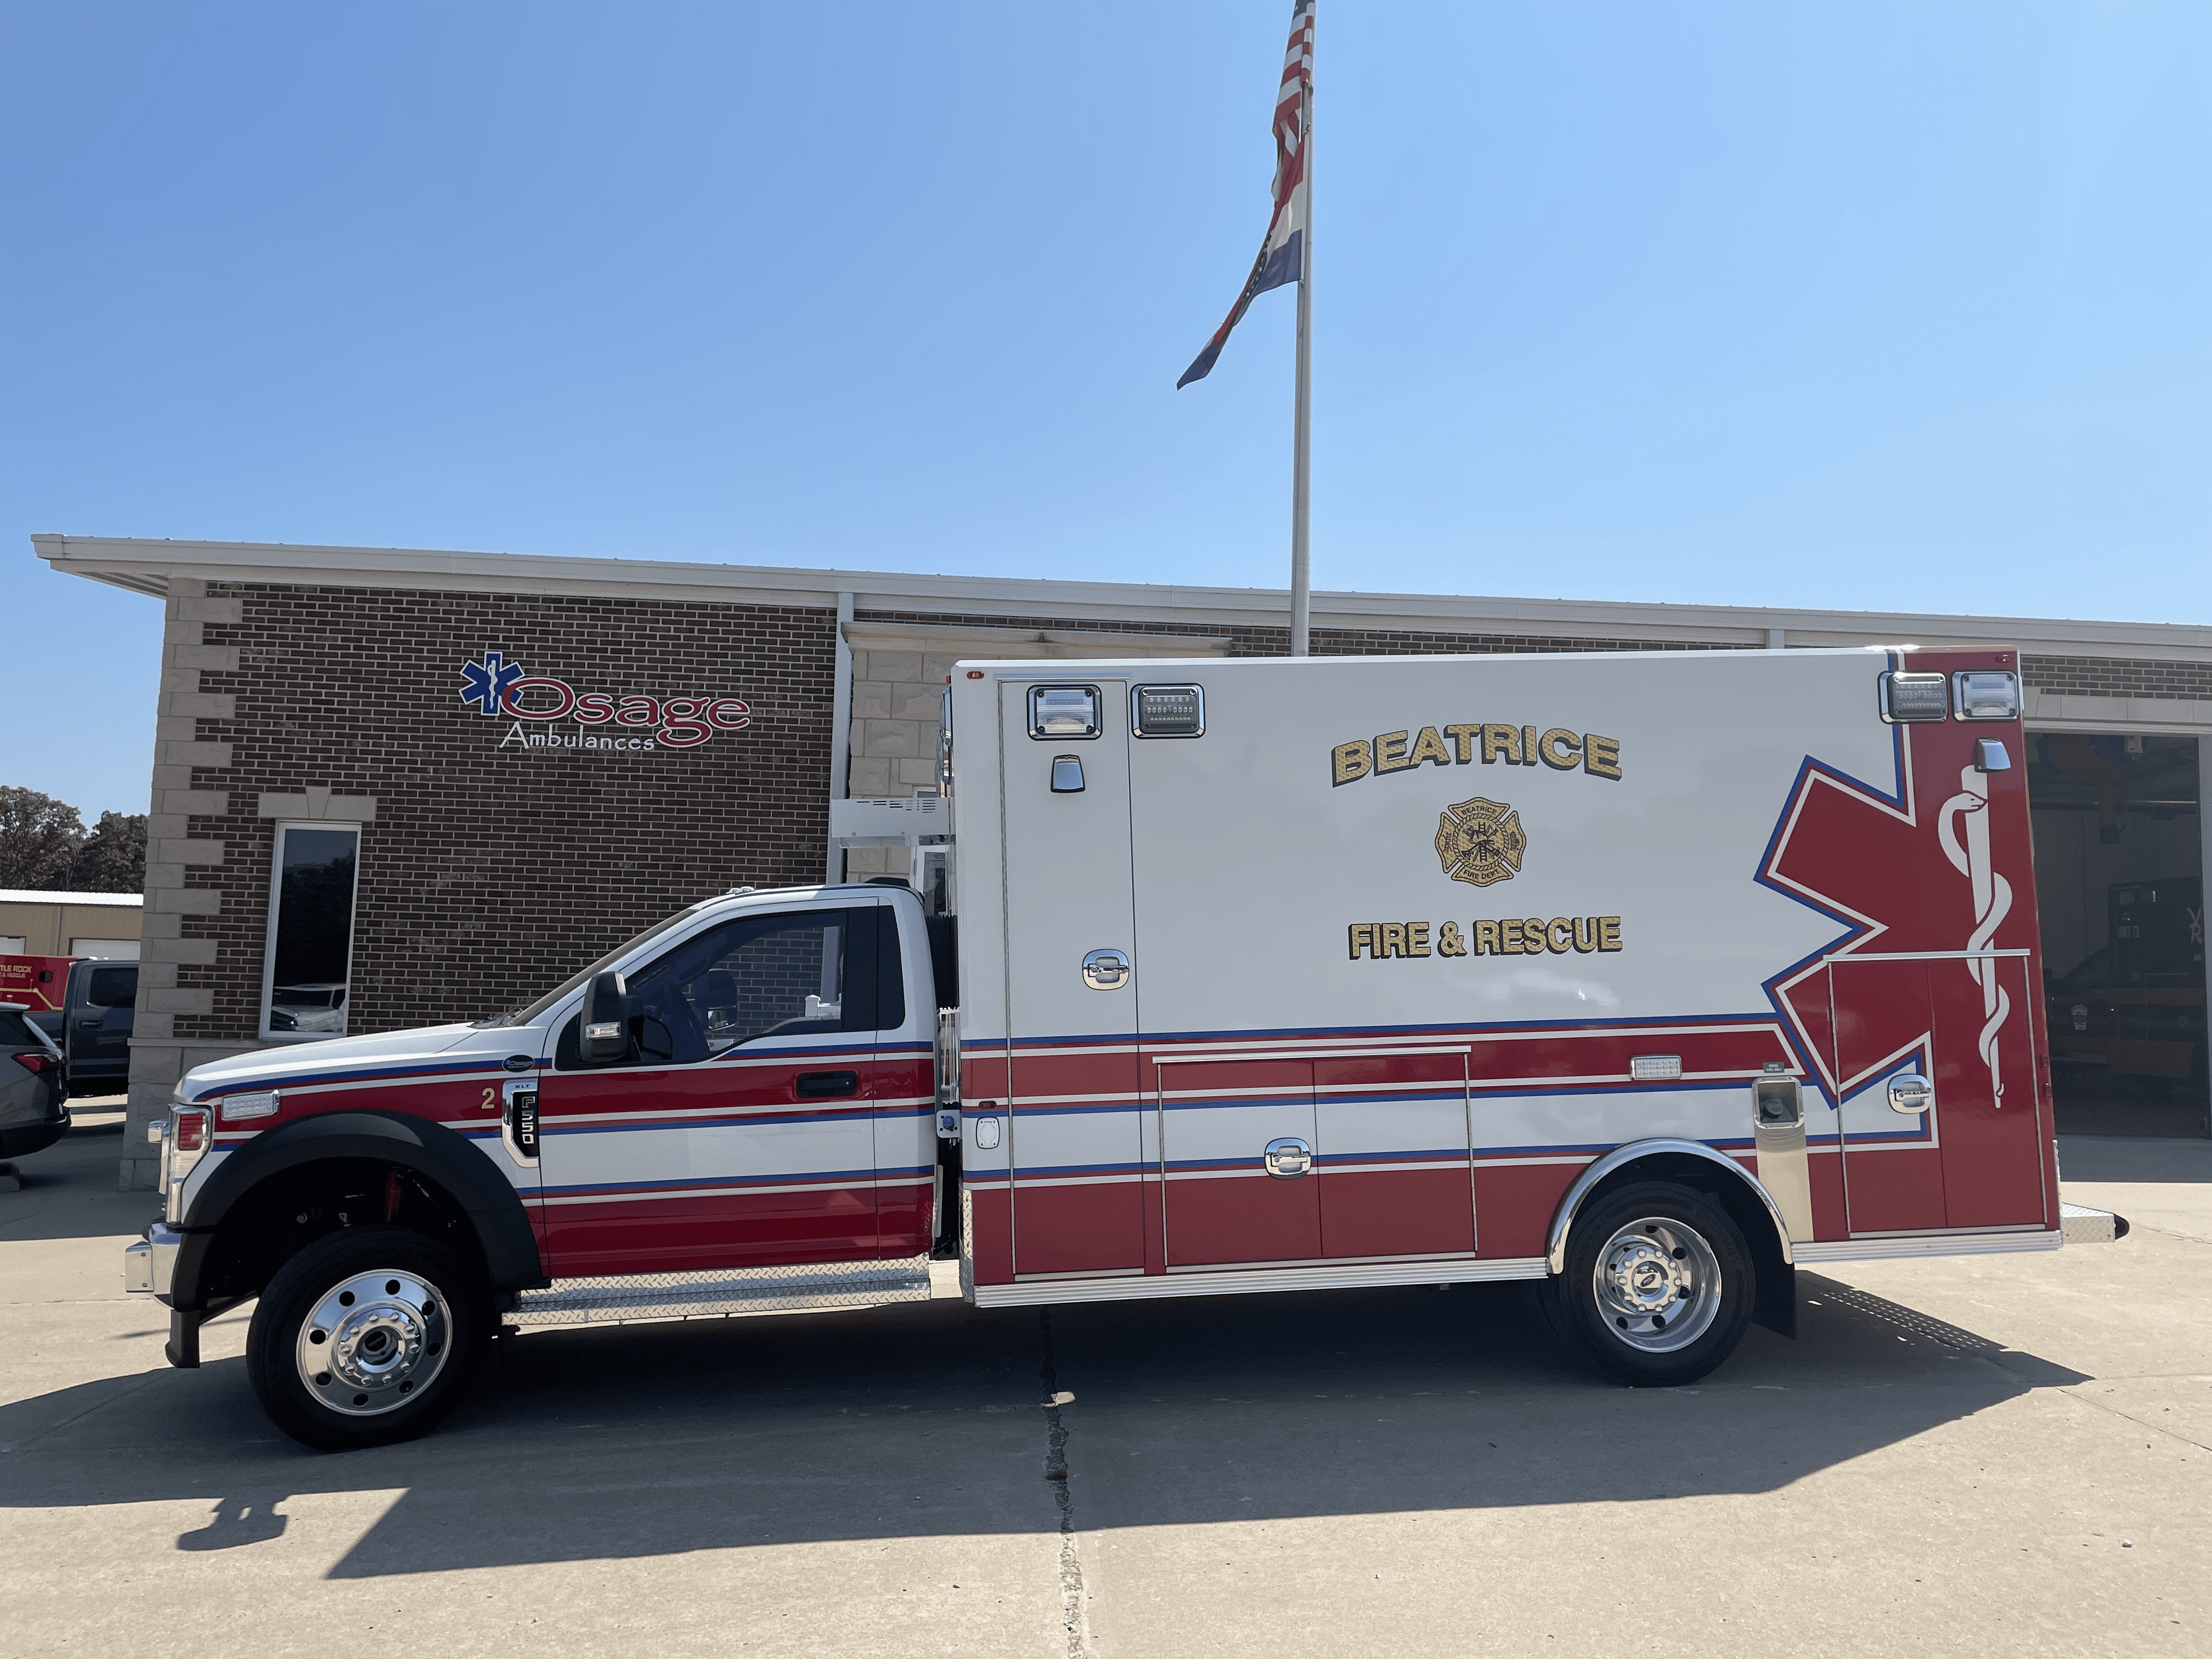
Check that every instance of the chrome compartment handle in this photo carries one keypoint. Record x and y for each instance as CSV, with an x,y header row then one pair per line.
x,y
1287,1158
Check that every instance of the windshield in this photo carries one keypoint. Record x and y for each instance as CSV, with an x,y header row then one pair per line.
x,y
524,1014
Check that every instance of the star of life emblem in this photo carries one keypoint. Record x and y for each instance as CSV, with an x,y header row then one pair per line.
x,y
1480,841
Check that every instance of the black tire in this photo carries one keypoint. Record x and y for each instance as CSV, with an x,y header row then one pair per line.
x,y
397,1326
1634,1254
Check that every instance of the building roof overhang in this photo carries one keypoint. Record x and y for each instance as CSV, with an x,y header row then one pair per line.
x,y
149,566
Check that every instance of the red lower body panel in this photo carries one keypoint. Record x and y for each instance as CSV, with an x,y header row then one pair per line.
x,y
1513,1204
990,1234
1389,1213
1216,1220
682,1235
1095,1227
1895,1189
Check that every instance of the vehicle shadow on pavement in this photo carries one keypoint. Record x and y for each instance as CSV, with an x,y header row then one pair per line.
x,y
938,1419
69,1191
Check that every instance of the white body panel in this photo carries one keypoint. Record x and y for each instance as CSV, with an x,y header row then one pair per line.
x,y
1644,805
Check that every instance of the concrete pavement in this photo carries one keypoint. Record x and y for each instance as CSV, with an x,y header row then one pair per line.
x,y
1984,1455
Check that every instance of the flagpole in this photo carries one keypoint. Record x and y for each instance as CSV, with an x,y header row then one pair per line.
x,y
1302,422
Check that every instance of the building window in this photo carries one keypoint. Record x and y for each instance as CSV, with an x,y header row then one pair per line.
x,y
310,958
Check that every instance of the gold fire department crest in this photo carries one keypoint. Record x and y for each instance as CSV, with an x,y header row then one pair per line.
x,y
1480,841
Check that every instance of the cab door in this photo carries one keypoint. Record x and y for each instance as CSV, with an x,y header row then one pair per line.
x,y
99,1021
1074,977
740,1132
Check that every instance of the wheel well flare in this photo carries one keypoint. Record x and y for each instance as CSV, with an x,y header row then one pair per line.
x,y
282,1190
1691,1162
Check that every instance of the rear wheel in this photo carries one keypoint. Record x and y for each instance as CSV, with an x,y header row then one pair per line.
x,y
367,1336
1658,1286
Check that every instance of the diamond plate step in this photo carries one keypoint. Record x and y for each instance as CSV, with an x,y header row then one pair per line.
x,y
2083,1225
634,1298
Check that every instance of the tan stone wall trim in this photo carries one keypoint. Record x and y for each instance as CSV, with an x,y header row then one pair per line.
x,y
2054,711
318,803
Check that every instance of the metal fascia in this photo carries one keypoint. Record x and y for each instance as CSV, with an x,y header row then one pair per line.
x,y
146,565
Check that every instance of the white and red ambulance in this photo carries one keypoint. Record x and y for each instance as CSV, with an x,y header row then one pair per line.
x,y
1647,977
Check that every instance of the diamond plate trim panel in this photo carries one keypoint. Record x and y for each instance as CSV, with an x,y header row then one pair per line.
x,y
632,1298
2083,1225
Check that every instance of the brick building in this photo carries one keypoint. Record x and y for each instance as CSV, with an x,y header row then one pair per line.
x,y
348,833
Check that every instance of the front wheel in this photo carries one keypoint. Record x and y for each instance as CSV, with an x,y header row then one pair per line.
x,y
1659,1286
369,1335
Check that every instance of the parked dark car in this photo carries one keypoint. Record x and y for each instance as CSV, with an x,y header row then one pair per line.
x,y
96,1025
32,1086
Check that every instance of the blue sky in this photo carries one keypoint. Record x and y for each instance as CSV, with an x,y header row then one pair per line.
x,y
1880,306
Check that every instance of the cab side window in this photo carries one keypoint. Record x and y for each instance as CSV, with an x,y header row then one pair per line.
x,y
754,979
802,973
111,987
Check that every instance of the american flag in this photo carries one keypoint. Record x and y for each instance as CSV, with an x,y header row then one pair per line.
x,y
1283,254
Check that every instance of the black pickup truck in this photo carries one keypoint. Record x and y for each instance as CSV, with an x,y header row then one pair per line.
x,y
93,1026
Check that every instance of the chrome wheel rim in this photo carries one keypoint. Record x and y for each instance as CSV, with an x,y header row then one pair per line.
x,y
1658,1284
374,1342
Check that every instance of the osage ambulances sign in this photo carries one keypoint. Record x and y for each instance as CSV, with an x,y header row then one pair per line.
x,y
533,705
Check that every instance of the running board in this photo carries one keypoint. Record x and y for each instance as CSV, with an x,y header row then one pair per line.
x,y
636,1298
1904,1246
1365,1275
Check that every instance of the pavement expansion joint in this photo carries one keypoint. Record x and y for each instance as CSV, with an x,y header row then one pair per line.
x,y
1074,1601
2130,1416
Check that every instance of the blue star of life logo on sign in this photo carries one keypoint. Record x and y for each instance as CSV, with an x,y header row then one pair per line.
x,y
485,683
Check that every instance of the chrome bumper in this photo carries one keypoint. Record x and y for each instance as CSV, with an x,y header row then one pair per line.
x,y
149,1264
2083,1226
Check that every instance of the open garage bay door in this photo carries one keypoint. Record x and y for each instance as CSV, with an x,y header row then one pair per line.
x,y
2119,879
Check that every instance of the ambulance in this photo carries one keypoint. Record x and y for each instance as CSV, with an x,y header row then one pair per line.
x,y
1646,978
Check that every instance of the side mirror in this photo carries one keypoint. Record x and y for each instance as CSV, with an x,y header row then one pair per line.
x,y
605,1036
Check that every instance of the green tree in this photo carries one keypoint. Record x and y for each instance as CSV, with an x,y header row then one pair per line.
x,y
39,840
113,857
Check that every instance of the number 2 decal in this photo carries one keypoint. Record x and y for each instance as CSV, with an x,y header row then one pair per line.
x,y
489,1101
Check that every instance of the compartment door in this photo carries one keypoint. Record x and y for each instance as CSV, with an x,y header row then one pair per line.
x,y
1991,1123
1397,1178
1073,1113
1237,1143
1973,1157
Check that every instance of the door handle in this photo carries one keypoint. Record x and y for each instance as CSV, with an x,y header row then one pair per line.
x,y
1288,1159
829,1082
1911,1094
87,1025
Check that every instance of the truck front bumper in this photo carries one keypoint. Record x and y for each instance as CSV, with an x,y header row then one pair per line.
x,y
149,1264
